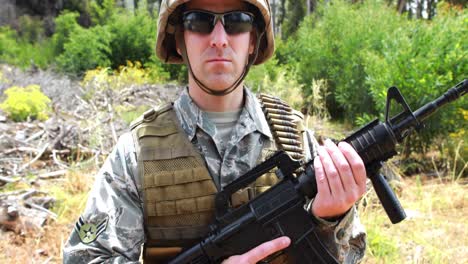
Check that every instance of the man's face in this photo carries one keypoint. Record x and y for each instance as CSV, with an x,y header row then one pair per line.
x,y
217,58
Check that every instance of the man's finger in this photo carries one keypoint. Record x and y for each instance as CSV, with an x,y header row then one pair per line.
x,y
321,178
331,172
341,164
356,163
264,250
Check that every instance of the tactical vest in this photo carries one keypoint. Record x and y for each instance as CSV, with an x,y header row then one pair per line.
x,y
178,191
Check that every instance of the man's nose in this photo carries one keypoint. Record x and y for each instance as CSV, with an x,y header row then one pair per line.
x,y
219,37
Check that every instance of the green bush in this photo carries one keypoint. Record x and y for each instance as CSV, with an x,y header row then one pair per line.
x,y
331,45
278,80
177,72
133,37
101,11
8,45
257,74
22,103
156,70
31,29
16,51
423,61
86,49
362,49
121,36
65,25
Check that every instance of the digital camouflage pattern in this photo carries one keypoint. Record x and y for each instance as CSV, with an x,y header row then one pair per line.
x,y
241,151
111,229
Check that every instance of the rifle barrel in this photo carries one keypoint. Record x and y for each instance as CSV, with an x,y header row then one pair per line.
x,y
428,109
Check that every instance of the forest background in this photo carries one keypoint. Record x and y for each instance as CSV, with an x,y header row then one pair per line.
x,y
334,60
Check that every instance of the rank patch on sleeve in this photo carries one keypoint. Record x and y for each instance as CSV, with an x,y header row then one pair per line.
x,y
88,232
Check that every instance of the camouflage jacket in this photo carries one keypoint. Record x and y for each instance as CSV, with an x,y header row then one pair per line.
x,y
111,229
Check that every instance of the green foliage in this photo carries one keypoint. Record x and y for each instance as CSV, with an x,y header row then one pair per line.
x,y
362,49
104,79
22,103
177,72
330,46
31,29
121,36
14,50
133,37
295,13
453,150
276,80
157,71
423,61
86,49
381,246
8,45
315,102
65,25
101,11
258,73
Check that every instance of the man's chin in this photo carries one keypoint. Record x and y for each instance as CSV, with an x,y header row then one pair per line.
x,y
219,85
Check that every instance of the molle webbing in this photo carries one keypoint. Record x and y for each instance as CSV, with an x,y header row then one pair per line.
x,y
285,125
178,191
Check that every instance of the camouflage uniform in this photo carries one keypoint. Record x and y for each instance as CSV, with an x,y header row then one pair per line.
x,y
111,228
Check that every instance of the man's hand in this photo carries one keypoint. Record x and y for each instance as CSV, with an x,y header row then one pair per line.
x,y
341,179
260,252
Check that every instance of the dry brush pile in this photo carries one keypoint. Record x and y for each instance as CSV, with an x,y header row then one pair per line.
x,y
82,128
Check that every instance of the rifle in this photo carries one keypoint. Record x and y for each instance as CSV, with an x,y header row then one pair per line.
x,y
280,210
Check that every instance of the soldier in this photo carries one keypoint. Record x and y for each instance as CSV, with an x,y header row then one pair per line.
x,y
154,194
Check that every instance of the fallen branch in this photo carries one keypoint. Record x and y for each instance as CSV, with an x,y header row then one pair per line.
x,y
12,193
111,121
40,208
52,175
56,160
7,180
20,149
28,194
34,136
35,158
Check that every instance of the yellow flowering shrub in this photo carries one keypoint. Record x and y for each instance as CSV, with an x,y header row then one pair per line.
x,y
98,78
130,74
24,102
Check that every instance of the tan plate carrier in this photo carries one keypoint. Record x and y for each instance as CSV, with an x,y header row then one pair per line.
x,y
178,191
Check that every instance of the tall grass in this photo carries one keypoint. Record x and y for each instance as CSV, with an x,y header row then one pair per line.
x,y
435,230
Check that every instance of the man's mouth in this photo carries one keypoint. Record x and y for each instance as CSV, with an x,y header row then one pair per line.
x,y
218,60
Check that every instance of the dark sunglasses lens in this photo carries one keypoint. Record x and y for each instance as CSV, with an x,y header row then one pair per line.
x,y
198,22
237,22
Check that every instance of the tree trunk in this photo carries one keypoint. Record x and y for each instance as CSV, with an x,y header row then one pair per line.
x,y
281,16
431,9
401,6
419,9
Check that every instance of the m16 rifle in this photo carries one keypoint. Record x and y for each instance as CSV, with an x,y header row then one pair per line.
x,y
279,211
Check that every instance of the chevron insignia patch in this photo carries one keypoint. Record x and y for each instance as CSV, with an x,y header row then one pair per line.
x,y
89,232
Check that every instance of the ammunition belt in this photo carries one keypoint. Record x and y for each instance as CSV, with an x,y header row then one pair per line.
x,y
283,125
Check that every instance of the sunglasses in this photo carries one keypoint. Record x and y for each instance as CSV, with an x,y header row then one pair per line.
x,y
203,22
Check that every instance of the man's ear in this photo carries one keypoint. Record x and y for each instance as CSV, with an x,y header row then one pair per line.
x,y
253,41
179,36
179,51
